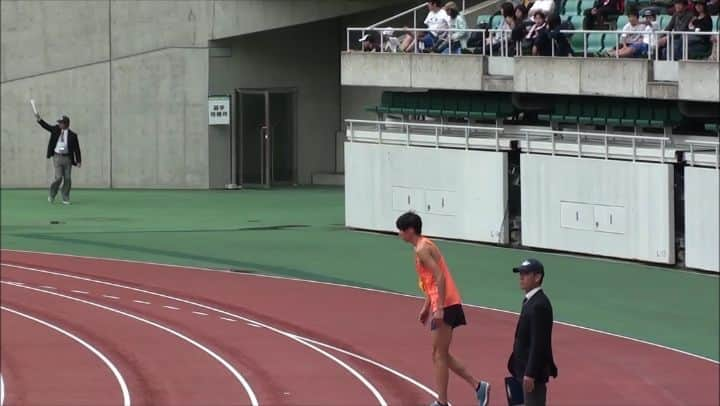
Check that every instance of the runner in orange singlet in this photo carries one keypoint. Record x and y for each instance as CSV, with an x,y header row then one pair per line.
x,y
443,303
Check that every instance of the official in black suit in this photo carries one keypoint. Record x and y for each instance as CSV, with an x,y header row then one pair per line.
x,y
64,148
531,361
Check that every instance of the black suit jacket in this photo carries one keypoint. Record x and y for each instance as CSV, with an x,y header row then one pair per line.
x,y
532,350
73,143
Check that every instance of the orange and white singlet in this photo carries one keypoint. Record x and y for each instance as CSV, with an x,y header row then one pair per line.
x,y
426,279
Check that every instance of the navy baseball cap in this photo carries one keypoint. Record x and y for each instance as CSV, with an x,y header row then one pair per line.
x,y
530,265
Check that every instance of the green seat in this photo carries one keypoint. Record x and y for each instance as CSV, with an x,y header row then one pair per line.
x,y
588,112
397,103
422,106
645,115
571,7
505,107
577,23
660,114
574,112
585,5
712,127
385,102
602,112
674,116
716,23
477,107
615,114
484,18
490,108
560,110
464,105
410,103
630,114
450,103
436,105
621,21
595,43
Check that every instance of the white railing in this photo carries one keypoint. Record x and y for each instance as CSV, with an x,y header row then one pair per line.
x,y
705,146
435,130
503,37
552,135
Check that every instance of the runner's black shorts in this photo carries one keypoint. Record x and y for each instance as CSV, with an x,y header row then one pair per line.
x,y
453,316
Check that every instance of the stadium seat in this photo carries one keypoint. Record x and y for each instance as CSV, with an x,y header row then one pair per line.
x,y
560,110
436,105
410,103
601,113
630,114
615,114
588,112
397,103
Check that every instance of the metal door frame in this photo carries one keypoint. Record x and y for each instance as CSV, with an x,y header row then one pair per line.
x,y
266,172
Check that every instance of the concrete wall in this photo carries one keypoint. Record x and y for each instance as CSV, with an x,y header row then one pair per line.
x,y
698,81
702,218
613,208
133,77
304,58
606,77
412,70
24,142
383,181
159,112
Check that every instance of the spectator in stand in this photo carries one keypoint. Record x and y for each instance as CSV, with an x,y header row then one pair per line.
x,y
713,7
370,42
496,42
699,46
529,42
632,45
458,38
522,23
651,25
600,11
437,20
551,37
679,22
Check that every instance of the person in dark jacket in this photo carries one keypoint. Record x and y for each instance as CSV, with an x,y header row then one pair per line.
x,y
531,361
64,148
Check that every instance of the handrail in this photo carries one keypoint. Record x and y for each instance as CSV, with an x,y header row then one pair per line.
x,y
504,38
427,125
551,134
410,10
715,144
406,125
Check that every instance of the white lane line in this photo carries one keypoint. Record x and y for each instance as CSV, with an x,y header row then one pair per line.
x,y
103,358
200,313
48,287
385,292
233,371
141,302
226,319
82,292
111,297
293,337
253,325
2,390
172,307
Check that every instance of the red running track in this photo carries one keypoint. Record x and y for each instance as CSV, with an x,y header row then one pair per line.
x,y
594,368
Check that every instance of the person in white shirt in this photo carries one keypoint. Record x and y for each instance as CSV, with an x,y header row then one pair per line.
x,y
437,20
632,37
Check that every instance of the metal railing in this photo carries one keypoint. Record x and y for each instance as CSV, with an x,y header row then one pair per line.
x,y
704,144
437,130
502,37
551,135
